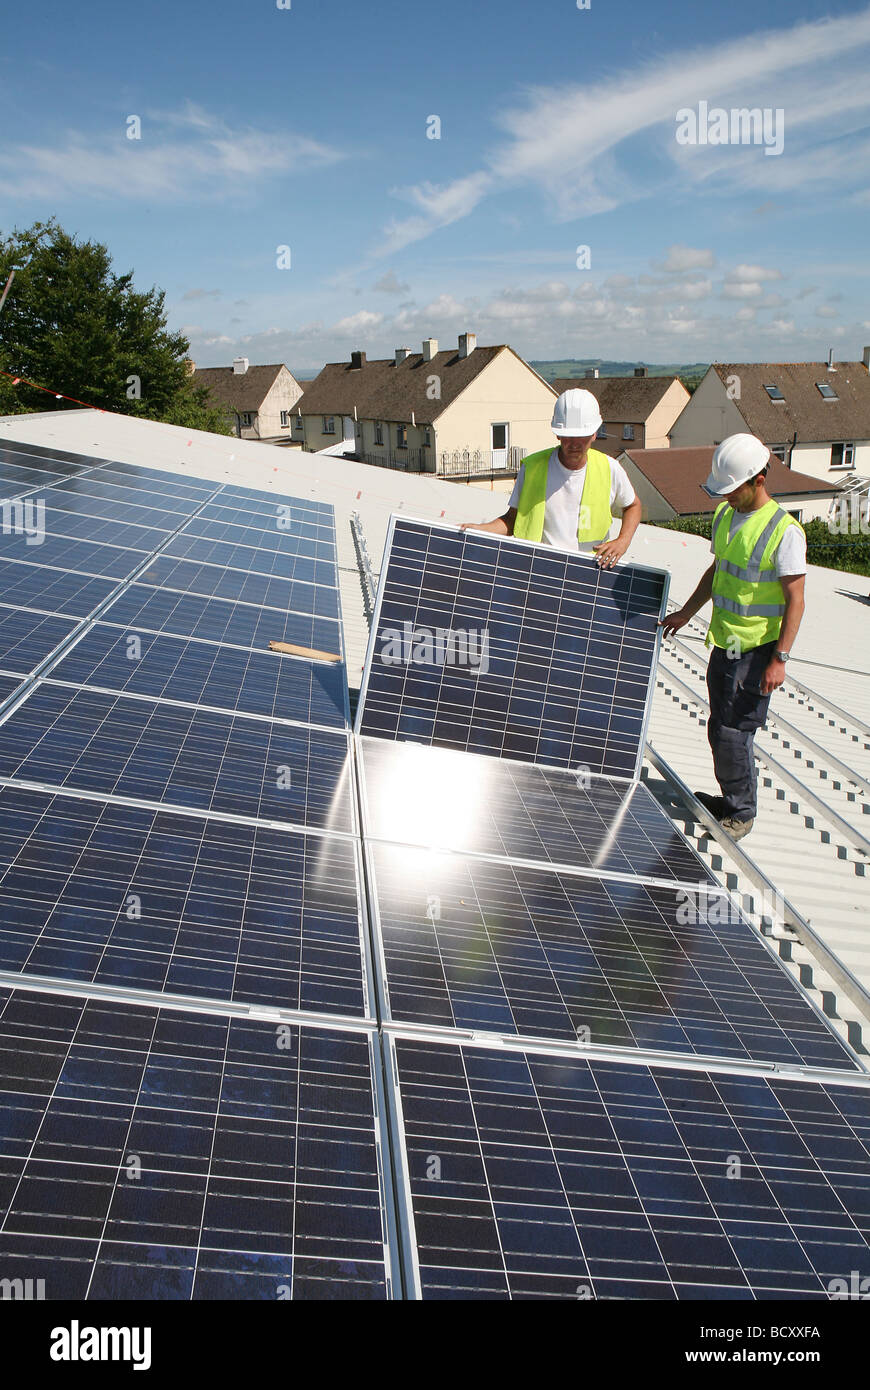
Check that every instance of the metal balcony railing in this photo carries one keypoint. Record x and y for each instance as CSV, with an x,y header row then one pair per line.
x,y
480,463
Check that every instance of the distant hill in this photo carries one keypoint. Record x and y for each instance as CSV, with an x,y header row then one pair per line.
x,y
689,373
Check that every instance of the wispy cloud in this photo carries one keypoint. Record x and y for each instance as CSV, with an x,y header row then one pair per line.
x,y
567,141
183,155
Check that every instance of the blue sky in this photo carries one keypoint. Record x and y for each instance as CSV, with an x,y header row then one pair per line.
x,y
264,127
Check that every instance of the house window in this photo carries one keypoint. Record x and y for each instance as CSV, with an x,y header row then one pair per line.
x,y
379,432
778,451
826,391
602,432
427,437
285,419
842,455
247,419
628,431
774,393
401,436
297,422
329,424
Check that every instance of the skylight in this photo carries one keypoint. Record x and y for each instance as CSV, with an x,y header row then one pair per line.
x,y
774,393
827,391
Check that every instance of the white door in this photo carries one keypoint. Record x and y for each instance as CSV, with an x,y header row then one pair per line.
x,y
500,445
348,427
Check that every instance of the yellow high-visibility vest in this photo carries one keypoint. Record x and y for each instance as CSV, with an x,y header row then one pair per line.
x,y
748,599
594,504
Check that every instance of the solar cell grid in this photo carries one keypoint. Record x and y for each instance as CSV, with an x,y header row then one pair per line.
x,y
440,799
65,553
209,580
559,652
100,530
26,638
300,521
532,952
159,479
14,478
119,488
259,1161
252,498
244,557
89,505
147,750
219,620
53,591
270,536
177,668
560,1177
131,897
52,460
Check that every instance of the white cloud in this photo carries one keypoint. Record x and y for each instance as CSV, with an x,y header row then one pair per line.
x,y
362,322
824,311
753,273
208,161
681,258
201,294
390,284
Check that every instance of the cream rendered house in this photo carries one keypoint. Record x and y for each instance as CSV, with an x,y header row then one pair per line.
x,y
260,400
815,416
459,412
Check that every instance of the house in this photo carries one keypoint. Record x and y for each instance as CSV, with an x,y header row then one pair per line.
x,y
815,416
457,412
668,483
639,409
260,398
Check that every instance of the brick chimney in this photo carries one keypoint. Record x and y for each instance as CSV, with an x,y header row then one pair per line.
x,y
867,358
357,360
240,366
467,344
401,354
640,371
430,348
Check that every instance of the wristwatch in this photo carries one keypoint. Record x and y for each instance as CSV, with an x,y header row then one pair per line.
x,y
781,656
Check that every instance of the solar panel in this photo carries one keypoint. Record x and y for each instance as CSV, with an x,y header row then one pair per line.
x,y
440,799
144,899
245,557
209,580
26,638
7,685
470,943
86,504
496,646
100,530
256,1153
53,591
84,557
177,668
220,620
295,519
51,460
120,489
153,751
561,1177
286,540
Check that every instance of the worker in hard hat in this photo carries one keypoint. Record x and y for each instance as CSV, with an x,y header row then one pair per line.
x,y
565,495
756,582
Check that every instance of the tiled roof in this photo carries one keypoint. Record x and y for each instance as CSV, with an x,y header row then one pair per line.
x,y
383,390
239,390
678,474
803,411
621,398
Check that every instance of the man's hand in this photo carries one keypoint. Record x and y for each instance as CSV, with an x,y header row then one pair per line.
x,y
773,676
608,552
674,621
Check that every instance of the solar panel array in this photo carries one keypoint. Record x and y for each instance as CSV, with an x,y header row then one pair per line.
x,y
587,1041
179,863
497,1034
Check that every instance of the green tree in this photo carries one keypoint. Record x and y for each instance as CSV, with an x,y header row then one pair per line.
x,y
71,324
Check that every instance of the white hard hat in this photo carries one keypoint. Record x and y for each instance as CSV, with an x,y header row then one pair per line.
x,y
737,459
576,415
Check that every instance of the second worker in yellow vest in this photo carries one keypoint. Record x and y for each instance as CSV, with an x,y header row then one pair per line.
x,y
565,496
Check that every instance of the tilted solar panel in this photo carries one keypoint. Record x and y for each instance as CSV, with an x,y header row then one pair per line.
x,y
210,580
471,943
256,1152
496,646
29,585
538,1176
126,896
62,552
439,799
286,539
246,557
26,637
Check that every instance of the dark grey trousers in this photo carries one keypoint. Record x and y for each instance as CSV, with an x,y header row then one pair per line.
x,y
737,709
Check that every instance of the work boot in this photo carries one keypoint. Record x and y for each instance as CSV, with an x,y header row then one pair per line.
x,y
714,804
737,828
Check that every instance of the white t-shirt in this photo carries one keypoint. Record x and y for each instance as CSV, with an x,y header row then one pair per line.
x,y
564,493
791,554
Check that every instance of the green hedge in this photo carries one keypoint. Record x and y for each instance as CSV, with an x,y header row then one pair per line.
x,y
849,552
